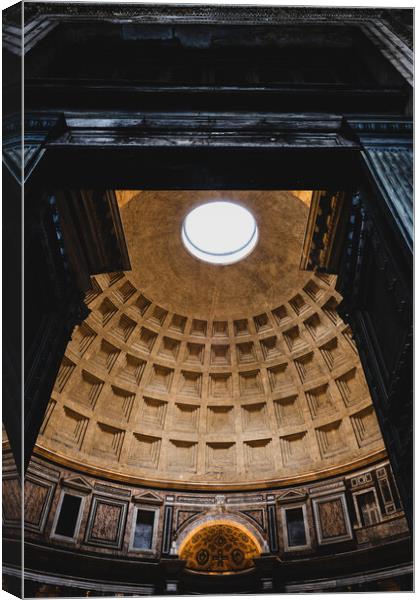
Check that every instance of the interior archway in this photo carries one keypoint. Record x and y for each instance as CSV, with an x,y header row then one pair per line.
x,y
220,547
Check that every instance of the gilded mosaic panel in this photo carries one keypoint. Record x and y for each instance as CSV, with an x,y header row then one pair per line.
x,y
219,548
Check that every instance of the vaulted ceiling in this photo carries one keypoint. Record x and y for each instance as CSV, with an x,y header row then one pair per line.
x,y
191,374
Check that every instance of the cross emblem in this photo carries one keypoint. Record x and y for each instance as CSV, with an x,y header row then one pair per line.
x,y
220,557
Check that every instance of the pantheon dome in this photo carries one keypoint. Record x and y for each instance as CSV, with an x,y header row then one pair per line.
x,y
196,375
215,414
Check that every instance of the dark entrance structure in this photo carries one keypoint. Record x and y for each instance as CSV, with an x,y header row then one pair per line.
x,y
216,98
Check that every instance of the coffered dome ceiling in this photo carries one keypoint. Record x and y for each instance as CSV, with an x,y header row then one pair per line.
x,y
192,374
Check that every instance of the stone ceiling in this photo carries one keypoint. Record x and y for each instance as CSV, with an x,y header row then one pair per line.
x,y
164,270
194,375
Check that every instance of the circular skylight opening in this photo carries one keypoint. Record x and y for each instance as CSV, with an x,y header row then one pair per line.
x,y
221,233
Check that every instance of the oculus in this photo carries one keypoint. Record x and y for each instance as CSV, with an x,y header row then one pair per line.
x,y
220,232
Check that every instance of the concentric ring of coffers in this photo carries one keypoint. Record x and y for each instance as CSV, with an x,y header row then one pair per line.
x,y
153,396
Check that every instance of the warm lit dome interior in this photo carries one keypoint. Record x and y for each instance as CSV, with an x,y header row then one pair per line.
x,y
188,375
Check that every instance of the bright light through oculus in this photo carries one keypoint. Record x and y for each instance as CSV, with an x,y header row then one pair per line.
x,y
220,232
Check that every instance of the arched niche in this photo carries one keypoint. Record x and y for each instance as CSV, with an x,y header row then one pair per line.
x,y
219,546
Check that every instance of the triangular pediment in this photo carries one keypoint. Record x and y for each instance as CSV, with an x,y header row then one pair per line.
x,y
147,498
292,495
78,483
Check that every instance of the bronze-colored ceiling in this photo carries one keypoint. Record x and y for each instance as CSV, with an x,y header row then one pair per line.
x,y
163,269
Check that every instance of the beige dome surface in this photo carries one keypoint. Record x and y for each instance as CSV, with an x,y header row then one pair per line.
x,y
165,271
193,375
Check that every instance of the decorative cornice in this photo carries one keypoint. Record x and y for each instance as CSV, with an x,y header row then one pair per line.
x,y
388,28
197,13
387,126
185,129
111,475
